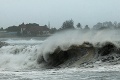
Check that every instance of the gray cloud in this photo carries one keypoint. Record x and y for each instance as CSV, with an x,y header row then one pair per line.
x,y
14,12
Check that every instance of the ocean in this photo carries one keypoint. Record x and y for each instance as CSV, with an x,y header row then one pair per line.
x,y
67,55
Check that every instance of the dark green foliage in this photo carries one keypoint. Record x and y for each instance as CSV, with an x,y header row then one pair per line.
x,y
31,25
79,26
53,30
86,27
68,24
30,29
106,25
13,29
1,29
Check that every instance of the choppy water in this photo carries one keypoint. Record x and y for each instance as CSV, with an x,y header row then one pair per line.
x,y
19,60
66,74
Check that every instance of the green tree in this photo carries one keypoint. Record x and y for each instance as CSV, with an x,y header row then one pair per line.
x,y
69,24
79,26
118,25
13,29
53,30
86,28
1,29
32,24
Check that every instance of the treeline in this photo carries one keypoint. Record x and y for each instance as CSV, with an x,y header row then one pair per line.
x,y
107,25
29,25
68,24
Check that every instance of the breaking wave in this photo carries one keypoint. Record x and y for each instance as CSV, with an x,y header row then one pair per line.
x,y
21,42
68,49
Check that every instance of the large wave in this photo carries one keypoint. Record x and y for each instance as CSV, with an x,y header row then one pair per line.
x,y
73,48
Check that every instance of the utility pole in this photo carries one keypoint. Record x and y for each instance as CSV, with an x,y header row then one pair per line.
x,y
49,25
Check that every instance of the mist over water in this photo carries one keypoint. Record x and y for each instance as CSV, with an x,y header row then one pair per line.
x,y
76,37
91,51
24,42
24,55
36,55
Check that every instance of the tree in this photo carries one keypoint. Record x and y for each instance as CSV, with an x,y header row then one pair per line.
x,y
53,30
98,25
108,24
115,24
32,24
118,25
13,29
79,26
86,28
69,24
1,29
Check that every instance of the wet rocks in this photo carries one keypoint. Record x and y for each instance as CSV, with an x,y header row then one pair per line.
x,y
3,44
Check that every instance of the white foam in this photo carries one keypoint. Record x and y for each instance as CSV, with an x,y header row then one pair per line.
x,y
21,56
31,41
76,37
18,57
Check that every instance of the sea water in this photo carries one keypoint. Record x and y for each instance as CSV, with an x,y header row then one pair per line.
x,y
18,61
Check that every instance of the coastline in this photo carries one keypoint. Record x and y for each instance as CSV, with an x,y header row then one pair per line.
x,y
7,35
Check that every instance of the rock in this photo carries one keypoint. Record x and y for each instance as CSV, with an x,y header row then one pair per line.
x,y
3,44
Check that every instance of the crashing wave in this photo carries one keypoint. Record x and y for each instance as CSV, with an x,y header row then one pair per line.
x,y
3,44
77,55
66,49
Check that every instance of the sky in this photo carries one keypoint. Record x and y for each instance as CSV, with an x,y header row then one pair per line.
x,y
87,12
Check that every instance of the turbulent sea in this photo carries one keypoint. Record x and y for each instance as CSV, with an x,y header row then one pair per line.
x,y
67,55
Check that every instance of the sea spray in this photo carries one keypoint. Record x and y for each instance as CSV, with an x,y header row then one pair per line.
x,y
18,56
62,48
64,40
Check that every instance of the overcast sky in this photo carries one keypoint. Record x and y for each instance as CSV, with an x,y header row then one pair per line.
x,y
14,12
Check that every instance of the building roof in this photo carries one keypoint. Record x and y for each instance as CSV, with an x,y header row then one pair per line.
x,y
35,28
